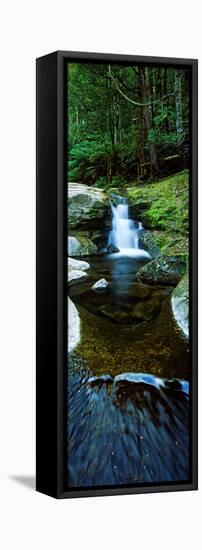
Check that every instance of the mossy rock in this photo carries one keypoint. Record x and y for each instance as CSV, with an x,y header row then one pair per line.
x,y
78,245
164,270
158,242
87,207
163,204
154,241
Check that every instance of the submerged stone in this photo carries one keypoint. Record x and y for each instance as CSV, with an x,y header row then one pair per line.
x,y
115,315
138,290
161,294
145,310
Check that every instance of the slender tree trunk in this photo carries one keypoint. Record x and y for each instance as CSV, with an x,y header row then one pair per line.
x,y
178,105
141,155
147,112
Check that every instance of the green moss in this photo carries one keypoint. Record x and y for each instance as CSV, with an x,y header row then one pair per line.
x,y
164,204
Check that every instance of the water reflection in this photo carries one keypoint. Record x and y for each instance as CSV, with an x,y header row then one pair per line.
x,y
123,271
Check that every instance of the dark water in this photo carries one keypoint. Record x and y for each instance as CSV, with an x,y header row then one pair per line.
x,y
133,429
125,432
120,274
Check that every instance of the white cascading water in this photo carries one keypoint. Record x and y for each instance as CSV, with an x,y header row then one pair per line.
x,y
125,233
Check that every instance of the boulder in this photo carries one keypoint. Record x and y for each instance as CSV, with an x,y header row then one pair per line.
x,y
100,380
180,305
80,246
167,269
140,378
153,241
99,285
87,206
73,326
163,242
114,315
77,269
77,264
111,249
76,274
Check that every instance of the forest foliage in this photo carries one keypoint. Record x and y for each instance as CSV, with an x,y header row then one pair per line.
x,y
126,122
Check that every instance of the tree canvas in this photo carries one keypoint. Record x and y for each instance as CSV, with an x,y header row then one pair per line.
x,y
128,271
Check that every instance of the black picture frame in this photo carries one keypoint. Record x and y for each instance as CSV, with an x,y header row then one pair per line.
x,y
51,273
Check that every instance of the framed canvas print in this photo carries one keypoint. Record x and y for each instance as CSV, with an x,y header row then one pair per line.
x,y
116,274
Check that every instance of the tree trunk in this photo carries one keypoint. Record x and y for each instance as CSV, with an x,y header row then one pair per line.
x,y
166,125
178,105
147,113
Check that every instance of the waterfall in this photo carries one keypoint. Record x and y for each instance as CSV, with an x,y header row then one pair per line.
x,y
125,232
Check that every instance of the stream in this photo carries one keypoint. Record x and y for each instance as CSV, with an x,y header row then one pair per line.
x,y
128,379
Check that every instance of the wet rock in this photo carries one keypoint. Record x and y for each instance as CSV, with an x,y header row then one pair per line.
x,y
153,241
161,294
76,274
163,243
100,285
180,305
140,378
80,246
111,249
102,251
164,270
173,384
145,310
77,264
184,386
99,380
73,326
87,206
117,316
77,269
177,385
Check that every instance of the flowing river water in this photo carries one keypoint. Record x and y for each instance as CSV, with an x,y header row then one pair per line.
x,y
128,379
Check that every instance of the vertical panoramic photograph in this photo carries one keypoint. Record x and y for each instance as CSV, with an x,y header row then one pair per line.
x,y
128,188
